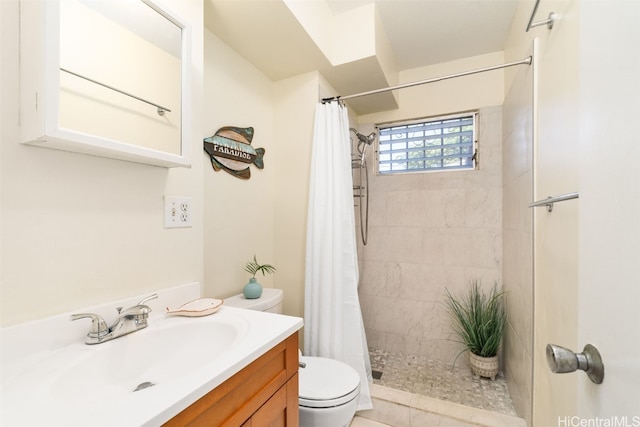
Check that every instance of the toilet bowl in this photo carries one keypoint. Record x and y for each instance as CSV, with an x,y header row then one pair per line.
x,y
328,392
328,389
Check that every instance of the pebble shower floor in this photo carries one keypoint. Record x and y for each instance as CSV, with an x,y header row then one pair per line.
x,y
419,375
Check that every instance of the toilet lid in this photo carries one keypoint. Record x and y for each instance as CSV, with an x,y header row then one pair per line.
x,y
326,382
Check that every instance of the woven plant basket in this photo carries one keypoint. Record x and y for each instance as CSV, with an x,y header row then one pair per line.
x,y
484,366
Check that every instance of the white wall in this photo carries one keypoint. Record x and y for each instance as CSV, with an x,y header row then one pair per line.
x,y
610,206
79,230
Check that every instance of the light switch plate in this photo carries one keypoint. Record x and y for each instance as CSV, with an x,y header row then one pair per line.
x,y
177,212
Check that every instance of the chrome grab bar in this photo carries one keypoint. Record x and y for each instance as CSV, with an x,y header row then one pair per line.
x,y
549,201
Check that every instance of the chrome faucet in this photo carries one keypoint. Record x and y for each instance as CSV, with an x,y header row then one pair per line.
x,y
129,320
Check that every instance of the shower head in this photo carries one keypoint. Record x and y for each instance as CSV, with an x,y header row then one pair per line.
x,y
364,139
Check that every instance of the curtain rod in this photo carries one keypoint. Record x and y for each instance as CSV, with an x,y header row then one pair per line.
x,y
526,61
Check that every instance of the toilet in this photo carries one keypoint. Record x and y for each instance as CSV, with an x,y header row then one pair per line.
x,y
328,394
328,389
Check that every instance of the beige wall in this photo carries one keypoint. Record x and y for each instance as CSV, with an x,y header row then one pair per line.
x,y
517,217
265,215
79,230
296,102
555,236
95,46
238,214
448,96
585,250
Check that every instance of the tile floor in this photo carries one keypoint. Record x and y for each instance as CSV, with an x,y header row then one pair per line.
x,y
440,380
416,392
364,422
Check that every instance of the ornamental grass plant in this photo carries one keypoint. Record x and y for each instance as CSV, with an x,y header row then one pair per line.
x,y
479,318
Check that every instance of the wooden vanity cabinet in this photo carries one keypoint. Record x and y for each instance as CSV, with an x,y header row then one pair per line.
x,y
263,394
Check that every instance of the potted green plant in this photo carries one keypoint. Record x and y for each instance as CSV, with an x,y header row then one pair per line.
x,y
253,289
479,320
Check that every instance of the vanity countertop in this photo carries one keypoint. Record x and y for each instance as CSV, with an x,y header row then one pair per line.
x,y
173,362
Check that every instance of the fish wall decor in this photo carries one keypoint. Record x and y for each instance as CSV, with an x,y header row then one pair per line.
x,y
230,150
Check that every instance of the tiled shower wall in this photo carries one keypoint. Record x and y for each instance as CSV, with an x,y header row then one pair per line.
x,y
428,232
518,239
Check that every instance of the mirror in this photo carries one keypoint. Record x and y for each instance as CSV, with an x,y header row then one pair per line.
x,y
116,80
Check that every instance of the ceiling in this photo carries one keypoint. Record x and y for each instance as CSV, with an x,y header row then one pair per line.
x,y
426,32
419,33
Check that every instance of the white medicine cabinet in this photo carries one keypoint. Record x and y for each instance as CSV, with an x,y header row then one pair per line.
x,y
106,78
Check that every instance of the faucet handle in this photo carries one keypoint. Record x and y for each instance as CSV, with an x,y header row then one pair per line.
x,y
98,325
149,298
145,309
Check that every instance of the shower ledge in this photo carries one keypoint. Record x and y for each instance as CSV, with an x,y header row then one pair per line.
x,y
403,409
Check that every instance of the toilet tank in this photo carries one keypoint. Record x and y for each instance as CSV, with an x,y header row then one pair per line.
x,y
270,301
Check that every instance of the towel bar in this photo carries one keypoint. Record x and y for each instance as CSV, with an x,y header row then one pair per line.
x,y
549,201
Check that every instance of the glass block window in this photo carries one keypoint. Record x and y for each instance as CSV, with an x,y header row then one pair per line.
x,y
436,144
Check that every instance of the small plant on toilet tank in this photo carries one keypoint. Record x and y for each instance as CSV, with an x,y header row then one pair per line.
x,y
253,289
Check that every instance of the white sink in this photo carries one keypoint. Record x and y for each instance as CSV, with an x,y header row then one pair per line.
x,y
143,378
155,355
166,351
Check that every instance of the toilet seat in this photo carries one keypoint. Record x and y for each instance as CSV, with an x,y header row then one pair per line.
x,y
326,383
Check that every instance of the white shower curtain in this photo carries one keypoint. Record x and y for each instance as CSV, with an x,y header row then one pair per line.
x,y
333,325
